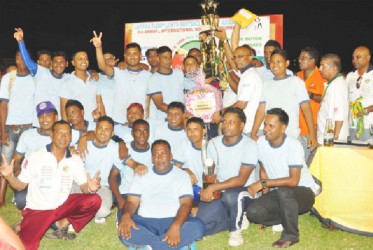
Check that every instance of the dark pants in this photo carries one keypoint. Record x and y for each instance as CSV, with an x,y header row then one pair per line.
x,y
226,213
153,230
282,206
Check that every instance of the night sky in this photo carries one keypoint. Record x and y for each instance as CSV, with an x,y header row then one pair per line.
x,y
330,25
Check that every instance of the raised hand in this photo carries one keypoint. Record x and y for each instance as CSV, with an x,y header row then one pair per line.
x,y
94,183
96,40
18,35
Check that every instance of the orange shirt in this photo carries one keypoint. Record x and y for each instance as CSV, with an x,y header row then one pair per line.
x,y
314,84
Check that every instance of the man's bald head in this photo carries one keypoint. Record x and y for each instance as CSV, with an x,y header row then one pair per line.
x,y
361,58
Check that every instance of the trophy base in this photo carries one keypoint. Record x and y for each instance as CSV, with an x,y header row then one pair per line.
x,y
208,180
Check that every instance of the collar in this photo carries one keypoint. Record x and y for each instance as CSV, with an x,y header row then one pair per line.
x,y
165,73
56,77
132,144
18,75
49,149
278,146
233,144
97,146
370,68
155,170
279,79
246,68
134,70
174,129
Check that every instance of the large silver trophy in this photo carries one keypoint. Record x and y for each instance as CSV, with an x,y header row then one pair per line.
x,y
209,177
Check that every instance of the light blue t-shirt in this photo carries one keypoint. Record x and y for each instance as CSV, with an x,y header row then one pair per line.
x,y
47,88
288,94
102,159
130,87
229,159
171,86
191,158
143,156
173,136
20,98
107,85
161,193
277,161
32,140
74,88
76,134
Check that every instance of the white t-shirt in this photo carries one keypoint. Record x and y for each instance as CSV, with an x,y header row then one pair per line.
x,y
365,91
229,159
32,140
107,85
249,90
171,86
288,94
138,155
75,88
277,161
334,106
102,159
160,194
173,136
130,87
191,158
49,181
20,98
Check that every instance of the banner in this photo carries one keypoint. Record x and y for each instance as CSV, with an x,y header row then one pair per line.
x,y
183,35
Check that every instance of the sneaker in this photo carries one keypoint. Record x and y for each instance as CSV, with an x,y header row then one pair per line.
x,y
143,247
277,228
100,220
245,222
235,238
71,229
191,246
61,234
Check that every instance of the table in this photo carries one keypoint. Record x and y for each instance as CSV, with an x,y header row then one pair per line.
x,y
345,175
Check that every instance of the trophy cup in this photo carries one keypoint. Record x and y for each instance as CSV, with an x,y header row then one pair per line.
x,y
212,54
209,176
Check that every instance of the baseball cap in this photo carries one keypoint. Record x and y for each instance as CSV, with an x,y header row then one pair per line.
x,y
45,107
137,105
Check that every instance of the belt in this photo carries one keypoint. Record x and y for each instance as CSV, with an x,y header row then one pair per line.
x,y
21,126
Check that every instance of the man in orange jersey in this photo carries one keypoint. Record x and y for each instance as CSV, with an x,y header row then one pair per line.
x,y
310,74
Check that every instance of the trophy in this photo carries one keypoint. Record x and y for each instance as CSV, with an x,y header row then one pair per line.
x,y
212,55
209,176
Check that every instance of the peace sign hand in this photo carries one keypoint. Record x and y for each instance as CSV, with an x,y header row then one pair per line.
x,y
96,40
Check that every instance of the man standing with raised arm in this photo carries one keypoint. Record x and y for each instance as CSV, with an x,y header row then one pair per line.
x,y
130,84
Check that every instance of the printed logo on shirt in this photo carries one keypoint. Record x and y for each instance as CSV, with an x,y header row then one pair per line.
x,y
66,169
335,110
25,164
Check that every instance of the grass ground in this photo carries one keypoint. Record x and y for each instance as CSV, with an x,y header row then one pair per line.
x,y
103,236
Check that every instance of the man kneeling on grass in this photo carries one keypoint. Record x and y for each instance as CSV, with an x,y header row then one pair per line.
x,y
49,173
164,197
287,186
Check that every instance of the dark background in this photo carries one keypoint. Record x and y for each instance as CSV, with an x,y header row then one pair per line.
x,y
330,25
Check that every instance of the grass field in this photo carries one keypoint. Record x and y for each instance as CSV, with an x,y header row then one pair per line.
x,y
103,236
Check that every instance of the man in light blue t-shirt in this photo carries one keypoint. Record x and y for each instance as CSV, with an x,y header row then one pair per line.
x,y
287,186
164,200
165,86
235,157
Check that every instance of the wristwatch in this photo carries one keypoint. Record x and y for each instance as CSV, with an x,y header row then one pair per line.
x,y
366,111
264,183
312,95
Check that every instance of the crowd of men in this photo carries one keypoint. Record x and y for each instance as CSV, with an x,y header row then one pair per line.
x,y
74,144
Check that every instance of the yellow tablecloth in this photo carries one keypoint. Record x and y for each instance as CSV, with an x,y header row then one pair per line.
x,y
346,177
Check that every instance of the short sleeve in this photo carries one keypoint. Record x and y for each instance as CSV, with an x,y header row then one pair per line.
x,y
136,187
250,159
185,189
4,87
153,86
301,91
295,154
